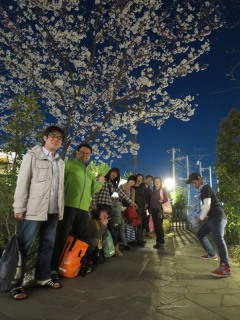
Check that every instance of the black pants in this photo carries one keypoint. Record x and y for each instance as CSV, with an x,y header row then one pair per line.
x,y
157,216
139,233
75,221
145,221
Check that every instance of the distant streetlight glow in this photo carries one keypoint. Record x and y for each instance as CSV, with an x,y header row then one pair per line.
x,y
169,183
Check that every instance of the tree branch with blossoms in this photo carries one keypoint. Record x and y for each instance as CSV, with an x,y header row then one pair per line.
x,y
102,66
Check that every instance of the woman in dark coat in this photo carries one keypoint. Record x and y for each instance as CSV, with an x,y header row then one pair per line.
x,y
158,197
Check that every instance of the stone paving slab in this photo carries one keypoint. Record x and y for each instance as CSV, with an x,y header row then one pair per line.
x,y
172,283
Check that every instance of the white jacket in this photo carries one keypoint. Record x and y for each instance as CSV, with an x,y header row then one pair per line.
x,y
34,185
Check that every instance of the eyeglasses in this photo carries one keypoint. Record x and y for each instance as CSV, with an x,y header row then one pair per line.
x,y
84,153
54,136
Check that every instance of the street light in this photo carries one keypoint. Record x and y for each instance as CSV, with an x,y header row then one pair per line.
x,y
169,183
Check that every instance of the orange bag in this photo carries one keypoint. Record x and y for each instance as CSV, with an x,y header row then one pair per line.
x,y
71,258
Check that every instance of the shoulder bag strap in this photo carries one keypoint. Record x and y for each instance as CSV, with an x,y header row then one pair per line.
x,y
161,193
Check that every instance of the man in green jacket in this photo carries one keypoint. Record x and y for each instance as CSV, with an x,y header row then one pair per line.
x,y
80,184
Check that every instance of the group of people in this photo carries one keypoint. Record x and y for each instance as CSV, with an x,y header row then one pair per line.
x,y
55,198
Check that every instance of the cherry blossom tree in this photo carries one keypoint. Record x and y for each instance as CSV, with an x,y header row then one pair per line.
x,y
103,66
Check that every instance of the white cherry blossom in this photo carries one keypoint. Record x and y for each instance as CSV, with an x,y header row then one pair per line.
x,y
101,67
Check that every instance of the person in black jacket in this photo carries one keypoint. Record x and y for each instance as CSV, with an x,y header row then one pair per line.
x,y
215,223
158,197
148,193
140,201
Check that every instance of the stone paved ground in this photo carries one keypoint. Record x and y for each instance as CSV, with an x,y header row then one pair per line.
x,y
167,284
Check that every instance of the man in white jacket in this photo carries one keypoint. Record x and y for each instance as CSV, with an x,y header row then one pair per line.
x,y
215,222
39,204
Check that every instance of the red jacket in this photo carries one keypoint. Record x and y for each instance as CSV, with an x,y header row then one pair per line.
x,y
130,215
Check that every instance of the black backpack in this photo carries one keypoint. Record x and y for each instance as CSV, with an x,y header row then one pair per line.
x,y
10,265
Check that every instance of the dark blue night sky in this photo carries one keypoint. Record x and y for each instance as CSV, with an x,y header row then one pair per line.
x,y
196,138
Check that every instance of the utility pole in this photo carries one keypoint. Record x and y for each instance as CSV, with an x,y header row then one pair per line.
x,y
199,163
173,150
188,186
210,174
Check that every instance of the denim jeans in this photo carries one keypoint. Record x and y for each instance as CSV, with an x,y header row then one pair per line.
x,y
47,231
217,227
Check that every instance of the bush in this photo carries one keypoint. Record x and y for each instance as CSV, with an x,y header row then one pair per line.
x,y
228,171
233,226
167,224
234,253
8,224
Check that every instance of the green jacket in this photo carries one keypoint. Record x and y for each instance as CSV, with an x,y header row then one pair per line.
x,y
80,184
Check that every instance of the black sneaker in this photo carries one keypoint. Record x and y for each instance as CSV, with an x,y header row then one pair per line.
x,y
140,244
132,243
55,275
158,246
86,269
